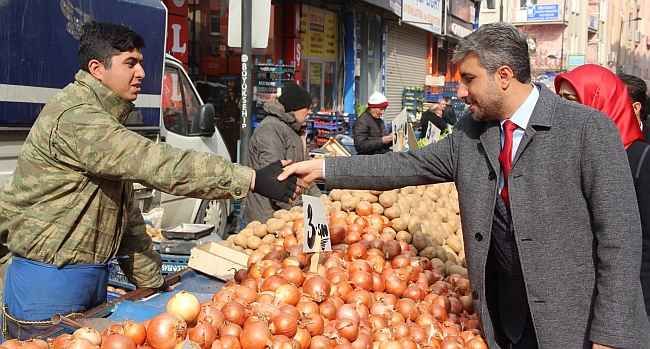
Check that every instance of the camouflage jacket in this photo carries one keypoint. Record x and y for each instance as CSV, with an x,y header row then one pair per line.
x,y
70,199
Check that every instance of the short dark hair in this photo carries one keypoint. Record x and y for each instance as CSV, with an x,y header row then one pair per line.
x,y
102,41
497,44
636,89
447,99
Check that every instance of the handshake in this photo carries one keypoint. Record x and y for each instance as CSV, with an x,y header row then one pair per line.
x,y
284,184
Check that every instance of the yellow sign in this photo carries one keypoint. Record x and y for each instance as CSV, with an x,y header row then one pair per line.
x,y
330,35
314,73
316,32
304,26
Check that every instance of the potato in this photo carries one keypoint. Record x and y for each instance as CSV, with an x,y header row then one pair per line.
x,y
451,257
253,242
231,238
273,225
240,241
392,212
437,263
377,208
457,269
441,253
376,192
260,231
404,236
414,250
386,199
399,224
369,197
238,248
454,243
336,205
253,224
268,239
335,194
350,204
414,225
248,251
226,243
428,252
420,241
280,213
247,232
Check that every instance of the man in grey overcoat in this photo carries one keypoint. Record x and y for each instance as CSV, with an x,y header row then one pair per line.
x,y
554,260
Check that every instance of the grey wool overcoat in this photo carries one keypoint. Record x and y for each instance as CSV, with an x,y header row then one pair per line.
x,y
574,212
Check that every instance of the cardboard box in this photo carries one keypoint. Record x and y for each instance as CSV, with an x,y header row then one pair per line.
x,y
217,260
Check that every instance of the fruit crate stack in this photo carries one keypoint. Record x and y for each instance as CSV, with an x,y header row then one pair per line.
x,y
267,79
413,100
325,125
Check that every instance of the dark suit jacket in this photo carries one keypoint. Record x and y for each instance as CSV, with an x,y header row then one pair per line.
x,y
449,115
574,210
429,116
646,130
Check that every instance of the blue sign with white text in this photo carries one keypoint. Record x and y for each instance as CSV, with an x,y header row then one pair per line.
x,y
544,12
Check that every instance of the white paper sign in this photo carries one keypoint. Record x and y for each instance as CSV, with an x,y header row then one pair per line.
x,y
315,225
399,124
259,27
433,134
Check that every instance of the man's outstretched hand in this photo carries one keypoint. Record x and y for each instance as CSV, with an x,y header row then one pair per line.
x,y
266,183
308,171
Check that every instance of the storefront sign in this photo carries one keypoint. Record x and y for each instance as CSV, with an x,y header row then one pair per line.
x,y
459,31
546,12
177,37
463,9
330,35
576,60
396,7
425,14
316,32
176,7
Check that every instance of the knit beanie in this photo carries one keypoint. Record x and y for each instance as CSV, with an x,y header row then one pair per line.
x,y
377,100
294,97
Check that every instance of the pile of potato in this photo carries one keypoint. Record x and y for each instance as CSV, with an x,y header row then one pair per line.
x,y
426,217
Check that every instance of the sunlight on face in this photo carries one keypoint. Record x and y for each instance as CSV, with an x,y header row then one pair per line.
x,y
568,92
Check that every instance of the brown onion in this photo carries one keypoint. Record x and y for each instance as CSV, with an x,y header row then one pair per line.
x,y
118,341
135,330
284,324
89,333
255,336
317,287
203,334
234,313
165,330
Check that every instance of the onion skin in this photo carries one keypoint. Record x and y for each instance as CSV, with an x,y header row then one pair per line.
x,y
165,330
118,341
184,304
255,336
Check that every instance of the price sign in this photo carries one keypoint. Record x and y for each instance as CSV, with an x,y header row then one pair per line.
x,y
316,227
400,134
433,134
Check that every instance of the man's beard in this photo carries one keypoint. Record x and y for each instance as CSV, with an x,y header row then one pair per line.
x,y
491,107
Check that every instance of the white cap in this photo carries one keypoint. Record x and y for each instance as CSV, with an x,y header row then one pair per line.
x,y
377,100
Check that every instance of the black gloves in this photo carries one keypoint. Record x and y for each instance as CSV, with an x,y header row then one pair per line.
x,y
267,184
164,287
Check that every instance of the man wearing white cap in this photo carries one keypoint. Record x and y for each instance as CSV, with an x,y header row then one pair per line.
x,y
370,136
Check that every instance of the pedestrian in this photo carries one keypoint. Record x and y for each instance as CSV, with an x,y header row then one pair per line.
x,y
434,116
636,89
280,136
69,208
599,88
551,231
370,136
448,113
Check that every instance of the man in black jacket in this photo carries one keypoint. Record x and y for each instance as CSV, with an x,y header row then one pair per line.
x,y
448,114
370,136
433,115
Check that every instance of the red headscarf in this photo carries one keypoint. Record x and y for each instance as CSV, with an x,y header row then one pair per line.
x,y
600,89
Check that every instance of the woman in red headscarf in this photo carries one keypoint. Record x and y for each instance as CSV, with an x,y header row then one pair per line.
x,y
599,88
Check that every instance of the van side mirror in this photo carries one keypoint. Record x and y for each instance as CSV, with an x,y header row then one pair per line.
x,y
206,120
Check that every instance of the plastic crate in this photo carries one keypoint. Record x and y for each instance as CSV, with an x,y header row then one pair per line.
x,y
431,97
170,264
110,295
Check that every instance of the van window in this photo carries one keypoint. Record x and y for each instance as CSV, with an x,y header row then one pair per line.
x,y
180,105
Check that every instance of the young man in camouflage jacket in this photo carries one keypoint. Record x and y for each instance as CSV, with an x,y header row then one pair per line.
x,y
68,208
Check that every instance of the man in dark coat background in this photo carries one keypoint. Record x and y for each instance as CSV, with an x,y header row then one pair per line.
x,y
370,136
448,114
433,115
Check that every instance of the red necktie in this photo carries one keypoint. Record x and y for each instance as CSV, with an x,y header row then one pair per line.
x,y
505,158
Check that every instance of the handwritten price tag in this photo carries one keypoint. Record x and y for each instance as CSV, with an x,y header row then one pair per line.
x,y
433,134
316,227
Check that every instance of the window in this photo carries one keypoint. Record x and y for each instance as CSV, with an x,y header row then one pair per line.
x,y
215,22
489,4
180,105
524,3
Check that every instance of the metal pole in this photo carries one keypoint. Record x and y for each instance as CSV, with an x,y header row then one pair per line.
x,y
246,85
618,51
562,39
